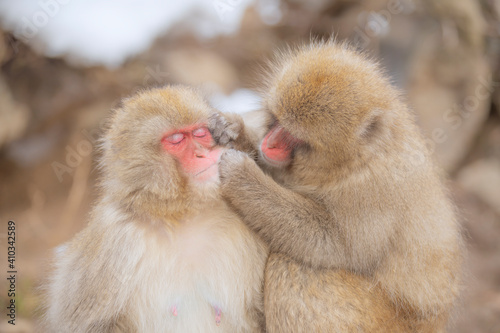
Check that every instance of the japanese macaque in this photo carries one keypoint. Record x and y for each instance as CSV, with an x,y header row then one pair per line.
x,y
162,252
363,237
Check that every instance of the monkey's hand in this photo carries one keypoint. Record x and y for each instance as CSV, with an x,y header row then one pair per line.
x,y
225,128
232,162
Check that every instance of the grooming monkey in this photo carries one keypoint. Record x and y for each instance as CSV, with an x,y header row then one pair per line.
x,y
363,237
162,251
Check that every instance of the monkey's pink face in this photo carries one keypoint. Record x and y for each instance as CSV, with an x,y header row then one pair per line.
x,y
277,146
195,150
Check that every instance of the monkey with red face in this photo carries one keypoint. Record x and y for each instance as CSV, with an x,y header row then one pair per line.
x,y
162,251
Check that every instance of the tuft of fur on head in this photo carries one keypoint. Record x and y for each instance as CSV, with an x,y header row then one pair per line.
x,y
332,97
136,170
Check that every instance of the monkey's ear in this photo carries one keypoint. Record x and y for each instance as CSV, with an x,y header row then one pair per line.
x,y
374,126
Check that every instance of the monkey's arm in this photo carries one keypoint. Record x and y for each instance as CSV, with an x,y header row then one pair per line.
x,y
289,222
91,284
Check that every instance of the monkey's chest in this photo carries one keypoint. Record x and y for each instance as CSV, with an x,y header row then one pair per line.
x,y
193,283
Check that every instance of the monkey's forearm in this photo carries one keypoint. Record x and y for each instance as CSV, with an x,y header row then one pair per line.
x,y
89,306
89,289
287,221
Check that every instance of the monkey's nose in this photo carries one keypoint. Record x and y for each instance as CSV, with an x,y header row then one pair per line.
x,y
200,152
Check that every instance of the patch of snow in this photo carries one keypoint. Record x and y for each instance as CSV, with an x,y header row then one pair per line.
x,y
108,32
240,101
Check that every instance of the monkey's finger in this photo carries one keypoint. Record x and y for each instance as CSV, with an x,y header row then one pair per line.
x,y
214,126
224,139
217,124
233,130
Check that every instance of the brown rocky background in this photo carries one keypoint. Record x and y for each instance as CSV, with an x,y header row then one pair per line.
x,y
444,55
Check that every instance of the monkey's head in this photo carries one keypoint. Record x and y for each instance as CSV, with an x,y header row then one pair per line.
x,y
158,155
326,103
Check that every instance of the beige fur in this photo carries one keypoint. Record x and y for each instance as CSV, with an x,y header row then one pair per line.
x,y
156,239
362,234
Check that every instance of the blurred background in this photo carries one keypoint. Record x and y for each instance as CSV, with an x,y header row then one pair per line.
x,y
65,63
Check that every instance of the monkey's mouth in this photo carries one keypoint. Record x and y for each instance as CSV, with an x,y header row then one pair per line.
x,y
277,146
207,173
202,171
275,163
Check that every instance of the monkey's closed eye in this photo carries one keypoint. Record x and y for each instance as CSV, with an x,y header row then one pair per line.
x,y
200,132
174,138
